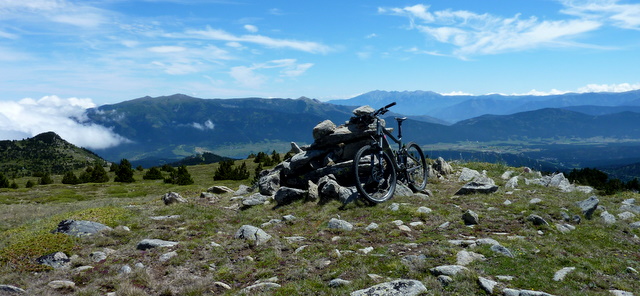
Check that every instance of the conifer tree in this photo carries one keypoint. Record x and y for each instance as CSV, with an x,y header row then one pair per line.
x,y
4,182
70,178
153,174
124,173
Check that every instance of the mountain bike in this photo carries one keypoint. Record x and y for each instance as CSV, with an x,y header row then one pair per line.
x,y
377,166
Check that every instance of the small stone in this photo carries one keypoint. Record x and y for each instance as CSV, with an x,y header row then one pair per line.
x,y
470,217
404,228
98,256
340,224
220,190
125,269
12,289
424,210
534,201
620,293
465,258
166,256
608,218
397,287
502,250
537,220
560,274
449,270
371,226
252,233
588,206
334,283
222,285
173,197
487,284
61,285
445,280
366,250
154,243
444,225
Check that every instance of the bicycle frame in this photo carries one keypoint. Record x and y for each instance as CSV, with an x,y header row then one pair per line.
x,y
384,145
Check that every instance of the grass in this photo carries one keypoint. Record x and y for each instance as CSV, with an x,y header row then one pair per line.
x,y
600,253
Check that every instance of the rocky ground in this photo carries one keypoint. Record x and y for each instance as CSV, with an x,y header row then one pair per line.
x,y
527,235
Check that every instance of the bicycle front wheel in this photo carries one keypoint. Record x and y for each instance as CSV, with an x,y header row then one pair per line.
x,y
374,173
416,166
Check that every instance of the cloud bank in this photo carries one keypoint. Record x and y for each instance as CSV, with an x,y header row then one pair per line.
x,y
66,117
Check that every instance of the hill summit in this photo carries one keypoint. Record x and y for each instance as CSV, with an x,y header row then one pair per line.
x,y
46,152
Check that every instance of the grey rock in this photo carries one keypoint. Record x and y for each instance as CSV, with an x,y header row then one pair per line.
x,y
243,190
565,228
487,284
269,181
533,293
334,283
608,218
486,241
154,243
371,226
559,181
340,224
363,110
323,129
565,216
173,197
442,167
295,148
512,183
12,289
289,218
220,189
424,210
286,195
414,262
166,256
635,225
207,195
477,187
252,233
588,206
468,174
98,256
470,217
312,191
507,175
449,270
535,200
59,284
620,293
79,228
125,269
255,199
465,258
55,260
394,207
510,292
537,220
626,215
393,288
560,274
264,286
402,190
501,250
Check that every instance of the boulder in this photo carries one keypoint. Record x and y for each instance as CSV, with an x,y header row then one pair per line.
x,y
286,195
394,288
220,190
173,197
475,187
339,224
60,284
269,181
470,217
55,260
442,167
154,243
537,220
588,206
252,233
323,129
80,228
449,270
12,289
255,199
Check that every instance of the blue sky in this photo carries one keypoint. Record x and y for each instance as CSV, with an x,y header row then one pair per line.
x,y
57,54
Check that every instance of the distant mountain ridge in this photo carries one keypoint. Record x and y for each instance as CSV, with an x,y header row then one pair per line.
x,y
461,107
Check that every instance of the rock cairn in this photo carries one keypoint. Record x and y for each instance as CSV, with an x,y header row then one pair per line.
x,y
328,160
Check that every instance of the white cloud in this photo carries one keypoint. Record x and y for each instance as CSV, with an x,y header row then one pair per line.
x,y
66,117
166,49
216,34
249,77
625,16
208,125
483,34
57,11
251,28
622,87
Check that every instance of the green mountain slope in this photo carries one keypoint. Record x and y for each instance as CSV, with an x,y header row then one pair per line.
x,y
46,152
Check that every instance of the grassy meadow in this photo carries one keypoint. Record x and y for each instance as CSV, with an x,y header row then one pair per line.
x,y
602,254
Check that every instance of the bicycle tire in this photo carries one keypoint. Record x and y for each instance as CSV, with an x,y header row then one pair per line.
x,y
375,176
416,167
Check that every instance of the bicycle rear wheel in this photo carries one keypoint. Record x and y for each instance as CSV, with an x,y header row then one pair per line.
x,y
416,166
374,173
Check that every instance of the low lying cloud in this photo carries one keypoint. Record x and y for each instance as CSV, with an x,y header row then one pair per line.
x,y
208,125
66,117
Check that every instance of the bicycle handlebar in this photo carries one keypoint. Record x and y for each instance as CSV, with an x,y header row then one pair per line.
x,y
384,110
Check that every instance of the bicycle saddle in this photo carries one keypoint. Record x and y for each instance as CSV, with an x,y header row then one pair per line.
x,y
401,119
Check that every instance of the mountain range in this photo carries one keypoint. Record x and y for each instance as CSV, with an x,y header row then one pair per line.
x,y
460,107
605,130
